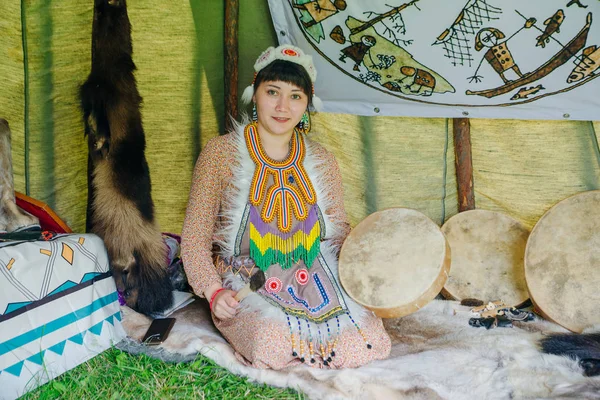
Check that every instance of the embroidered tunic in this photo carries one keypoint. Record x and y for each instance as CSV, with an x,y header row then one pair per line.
x,y
285,218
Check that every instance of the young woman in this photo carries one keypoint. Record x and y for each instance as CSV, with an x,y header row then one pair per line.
x,y
267,200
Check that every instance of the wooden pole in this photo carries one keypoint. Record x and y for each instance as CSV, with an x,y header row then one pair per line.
x,y
232,9
464,164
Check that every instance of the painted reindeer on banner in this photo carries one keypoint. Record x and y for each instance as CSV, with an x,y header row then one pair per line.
x,y
120,207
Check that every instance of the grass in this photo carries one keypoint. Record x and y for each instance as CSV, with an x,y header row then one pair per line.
x,y
118,375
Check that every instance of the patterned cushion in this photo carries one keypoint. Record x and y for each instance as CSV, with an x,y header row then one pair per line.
x,y
58,308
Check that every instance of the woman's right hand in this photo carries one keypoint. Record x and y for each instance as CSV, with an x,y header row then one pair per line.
x,y
224,305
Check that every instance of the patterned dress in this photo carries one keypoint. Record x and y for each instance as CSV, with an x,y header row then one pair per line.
x,y
249,214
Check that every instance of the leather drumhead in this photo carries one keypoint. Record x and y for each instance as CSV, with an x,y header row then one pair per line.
x,y
488,248
394,262
562,262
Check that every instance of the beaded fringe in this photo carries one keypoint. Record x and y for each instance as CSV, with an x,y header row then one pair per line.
x,y
285,250
305,345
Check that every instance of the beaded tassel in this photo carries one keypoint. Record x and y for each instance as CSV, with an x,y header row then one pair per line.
x,y
310,341
300,340
369,346
302,358
326,359
329,348
254,113
294,353
323,354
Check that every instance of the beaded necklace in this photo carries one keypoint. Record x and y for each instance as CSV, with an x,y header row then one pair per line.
x,y
291,194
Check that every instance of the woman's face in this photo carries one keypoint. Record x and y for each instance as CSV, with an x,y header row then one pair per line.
x,y
279,106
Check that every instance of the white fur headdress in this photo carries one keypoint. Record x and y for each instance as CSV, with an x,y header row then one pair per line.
x,y
285,52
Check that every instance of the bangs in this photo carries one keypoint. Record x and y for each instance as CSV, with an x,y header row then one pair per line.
x,y
288,72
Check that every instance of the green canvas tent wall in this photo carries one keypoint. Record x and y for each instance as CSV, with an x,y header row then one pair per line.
x,y
519,167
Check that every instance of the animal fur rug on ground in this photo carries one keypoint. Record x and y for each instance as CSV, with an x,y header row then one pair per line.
x,y
435,355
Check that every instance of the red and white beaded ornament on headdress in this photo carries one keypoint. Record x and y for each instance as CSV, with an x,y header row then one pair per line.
x,y
290,53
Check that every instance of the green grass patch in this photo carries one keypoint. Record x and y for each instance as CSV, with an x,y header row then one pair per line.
x,y
115,374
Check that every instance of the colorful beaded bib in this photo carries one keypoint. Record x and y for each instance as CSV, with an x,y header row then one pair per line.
x,y
286,194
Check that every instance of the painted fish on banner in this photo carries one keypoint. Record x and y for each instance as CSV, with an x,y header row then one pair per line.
x,y
535,59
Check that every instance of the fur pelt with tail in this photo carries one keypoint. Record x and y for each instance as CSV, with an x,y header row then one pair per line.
x,y
120,207
583,347
12,218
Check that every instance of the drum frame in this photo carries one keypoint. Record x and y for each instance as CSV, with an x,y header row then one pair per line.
x,y
539,310
447,294
418,303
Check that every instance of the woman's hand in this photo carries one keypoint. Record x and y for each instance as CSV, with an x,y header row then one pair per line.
x,y
224,304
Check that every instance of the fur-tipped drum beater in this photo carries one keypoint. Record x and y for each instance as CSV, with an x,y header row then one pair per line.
x,y
394,262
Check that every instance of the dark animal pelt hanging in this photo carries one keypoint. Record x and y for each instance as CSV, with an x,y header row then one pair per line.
x,y
120,208
582,347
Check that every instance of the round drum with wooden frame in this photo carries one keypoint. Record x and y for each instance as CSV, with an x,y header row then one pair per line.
x,y
487,257
562,262
394,262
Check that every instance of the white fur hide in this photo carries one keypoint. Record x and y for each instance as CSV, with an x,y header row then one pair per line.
x,y
435,355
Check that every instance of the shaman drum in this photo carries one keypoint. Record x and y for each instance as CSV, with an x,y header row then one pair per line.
x,y
394,262
562,260
487,257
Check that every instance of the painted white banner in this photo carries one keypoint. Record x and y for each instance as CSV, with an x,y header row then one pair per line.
x,y
532,59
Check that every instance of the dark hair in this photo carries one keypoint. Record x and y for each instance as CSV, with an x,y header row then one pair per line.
x,y
286,71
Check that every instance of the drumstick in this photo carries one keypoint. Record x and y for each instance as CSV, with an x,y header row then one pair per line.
x,y
256,282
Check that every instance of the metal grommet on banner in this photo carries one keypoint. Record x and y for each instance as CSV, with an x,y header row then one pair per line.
x,y
465,113
282,33
376,109
566,115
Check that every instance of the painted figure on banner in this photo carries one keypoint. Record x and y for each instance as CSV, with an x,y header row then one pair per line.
x,y
497,54
358,50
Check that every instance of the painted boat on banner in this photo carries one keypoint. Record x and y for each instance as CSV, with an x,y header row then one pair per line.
x,y
564,55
